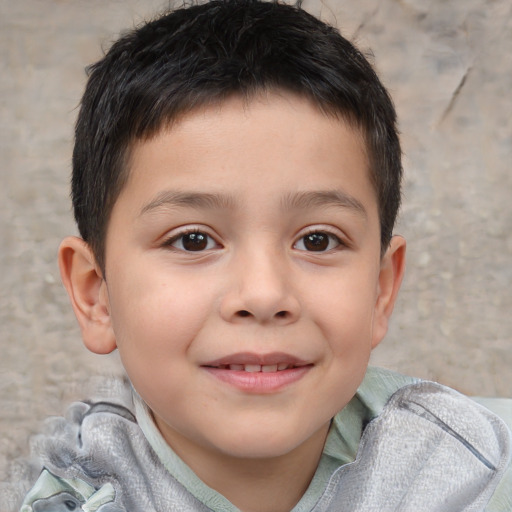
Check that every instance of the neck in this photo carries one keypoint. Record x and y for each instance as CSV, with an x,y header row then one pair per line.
x,y
256,485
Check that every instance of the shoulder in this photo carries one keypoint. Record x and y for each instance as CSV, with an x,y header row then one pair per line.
x,y
72,452
424,442
502,498
373,394
98,459
470,445
379,385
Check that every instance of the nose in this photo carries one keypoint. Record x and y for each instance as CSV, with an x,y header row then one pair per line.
x,y
260,290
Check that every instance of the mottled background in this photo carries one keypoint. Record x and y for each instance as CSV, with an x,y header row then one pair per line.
x,y
448,65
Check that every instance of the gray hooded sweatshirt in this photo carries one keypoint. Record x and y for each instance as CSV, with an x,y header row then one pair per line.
x,y
399,445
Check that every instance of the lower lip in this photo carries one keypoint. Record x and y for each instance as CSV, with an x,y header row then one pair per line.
x,y
259,382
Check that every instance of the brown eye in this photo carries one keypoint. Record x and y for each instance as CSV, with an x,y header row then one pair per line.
x,y
194,241
318,241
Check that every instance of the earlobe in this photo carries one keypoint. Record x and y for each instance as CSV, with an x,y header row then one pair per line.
x,y
390,278
87,291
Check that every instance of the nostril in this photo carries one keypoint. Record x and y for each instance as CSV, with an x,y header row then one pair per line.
x,y
244,313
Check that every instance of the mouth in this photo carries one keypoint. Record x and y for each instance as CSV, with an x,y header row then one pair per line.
x,y
255,363
255,368
261,374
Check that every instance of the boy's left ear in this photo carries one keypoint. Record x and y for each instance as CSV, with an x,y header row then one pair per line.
x,y
392,270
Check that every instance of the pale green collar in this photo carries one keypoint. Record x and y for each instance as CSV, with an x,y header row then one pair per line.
x,y
340,447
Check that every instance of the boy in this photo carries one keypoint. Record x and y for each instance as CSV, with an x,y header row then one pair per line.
x,y
236,178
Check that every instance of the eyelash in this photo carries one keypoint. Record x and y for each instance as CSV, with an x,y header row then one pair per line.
x,y
204,241
330,238
169,242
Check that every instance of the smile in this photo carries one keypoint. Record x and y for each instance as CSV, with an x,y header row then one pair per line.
x,y
258,374
255,368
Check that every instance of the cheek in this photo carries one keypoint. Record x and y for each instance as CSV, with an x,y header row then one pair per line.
x,y
156,316
345,311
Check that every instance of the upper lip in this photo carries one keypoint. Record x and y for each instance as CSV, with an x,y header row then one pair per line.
x,y
245,358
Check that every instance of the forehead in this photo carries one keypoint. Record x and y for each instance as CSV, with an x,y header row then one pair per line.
x,y
277,143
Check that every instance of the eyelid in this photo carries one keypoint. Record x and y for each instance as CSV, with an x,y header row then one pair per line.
x,y
331,231
181,231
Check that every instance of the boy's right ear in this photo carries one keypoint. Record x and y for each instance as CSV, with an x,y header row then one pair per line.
x,y
88,293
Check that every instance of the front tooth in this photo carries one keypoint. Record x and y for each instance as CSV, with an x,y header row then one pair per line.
x,y
252,368
282,366
236,367
269,368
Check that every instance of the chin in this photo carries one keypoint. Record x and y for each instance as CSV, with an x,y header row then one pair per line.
x,y
259,445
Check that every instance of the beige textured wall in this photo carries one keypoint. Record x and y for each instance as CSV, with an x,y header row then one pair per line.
x,y
448,65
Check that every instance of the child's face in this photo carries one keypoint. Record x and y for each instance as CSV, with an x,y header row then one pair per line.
x,y
244,282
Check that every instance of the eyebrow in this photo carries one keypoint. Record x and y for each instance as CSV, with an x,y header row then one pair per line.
x,y
200,200
296,200
335,198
